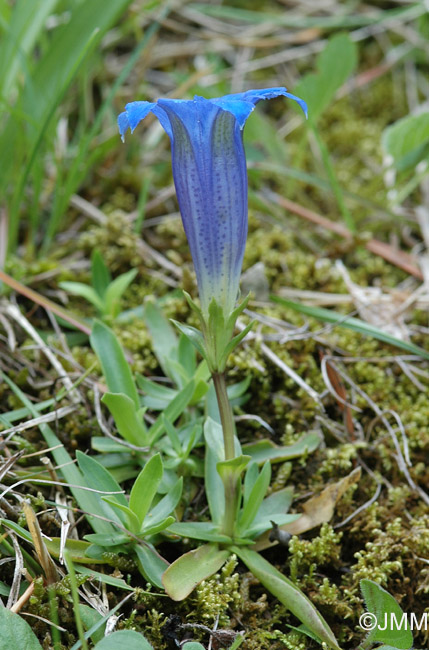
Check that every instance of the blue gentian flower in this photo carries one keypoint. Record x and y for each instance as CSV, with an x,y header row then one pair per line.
x,y
210,176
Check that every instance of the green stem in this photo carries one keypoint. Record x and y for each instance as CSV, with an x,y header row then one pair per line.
x,y
231,484
226,417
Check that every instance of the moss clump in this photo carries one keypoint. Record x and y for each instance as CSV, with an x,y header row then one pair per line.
x,y
214,596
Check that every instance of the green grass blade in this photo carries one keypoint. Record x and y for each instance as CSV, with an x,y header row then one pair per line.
x,y
351,323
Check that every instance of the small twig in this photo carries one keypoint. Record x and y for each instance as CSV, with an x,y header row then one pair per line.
x,y
23,599
397,257
42,419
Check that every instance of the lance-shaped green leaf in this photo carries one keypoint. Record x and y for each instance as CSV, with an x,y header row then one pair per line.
x,y
145,487
132,522
172,411
190,569
113,363
254,500
100,274
128,419
214,453
264,450
194,335
98,477
115,291
287,593
151,564
84,291
165,506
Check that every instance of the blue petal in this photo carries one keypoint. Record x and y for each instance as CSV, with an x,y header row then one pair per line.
x,y
137,111
209,170
123,124
240,109
253,97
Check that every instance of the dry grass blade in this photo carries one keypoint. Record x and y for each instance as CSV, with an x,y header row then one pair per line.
x,y
43,302
46,562
17,575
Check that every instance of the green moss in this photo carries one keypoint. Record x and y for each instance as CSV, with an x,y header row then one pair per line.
x,y
213,597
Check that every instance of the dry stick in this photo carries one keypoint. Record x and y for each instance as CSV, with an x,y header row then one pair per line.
x,y
398,258
25,596
44,302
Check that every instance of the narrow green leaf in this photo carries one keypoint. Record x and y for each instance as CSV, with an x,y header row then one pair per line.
x,y
233,467
172,412
334,66
132,521
97,476
115,291
127,419
106,578
278,502
264,450
255,499
107,539
100,274
263,523
163,336
153,389
234,342
155,528
145,487
25,25
151,564
194,335
166,506
84,291
250,478
190,569
354,324
186,356
114,365
202,530
215,492
90,617
287,593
